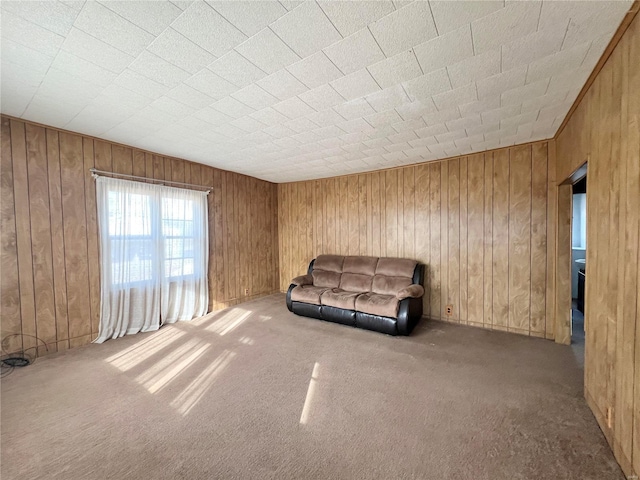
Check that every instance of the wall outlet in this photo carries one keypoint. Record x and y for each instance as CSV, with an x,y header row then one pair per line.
x,y
246,291
609,417
449,310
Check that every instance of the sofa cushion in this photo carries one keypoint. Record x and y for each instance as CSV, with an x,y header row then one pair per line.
x,y
339,298
361,265
355,282
396,267
329,263
307,294
378,304
388,285
322,278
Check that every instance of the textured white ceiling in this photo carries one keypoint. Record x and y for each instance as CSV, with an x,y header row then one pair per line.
x,y
296,90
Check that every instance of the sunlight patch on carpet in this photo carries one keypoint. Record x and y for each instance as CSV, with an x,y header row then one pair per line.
x,y
139,352
304,417
194,392
229,321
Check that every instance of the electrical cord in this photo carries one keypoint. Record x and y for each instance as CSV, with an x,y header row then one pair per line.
x,y
9,361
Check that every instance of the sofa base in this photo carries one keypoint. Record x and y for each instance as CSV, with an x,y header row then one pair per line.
x,y
403,325
377,323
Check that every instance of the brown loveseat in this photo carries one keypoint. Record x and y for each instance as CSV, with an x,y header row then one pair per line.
x,y
382,294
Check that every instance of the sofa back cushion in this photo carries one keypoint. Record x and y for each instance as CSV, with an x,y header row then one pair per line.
x,y
389,285
392,275
360,265
355,282
329,263
327,270
396,267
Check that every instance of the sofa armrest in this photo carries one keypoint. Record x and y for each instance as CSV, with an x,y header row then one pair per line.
x,y
412,291
303,280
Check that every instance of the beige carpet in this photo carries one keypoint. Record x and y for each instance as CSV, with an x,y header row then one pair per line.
x,y
254,392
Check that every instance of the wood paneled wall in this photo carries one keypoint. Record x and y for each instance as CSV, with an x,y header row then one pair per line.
x,y
478,222
605,131
49,239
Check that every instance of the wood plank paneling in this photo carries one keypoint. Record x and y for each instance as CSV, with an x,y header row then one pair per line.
x,y
10,298
604,130
49,238
41,236
500,253
454,216
520,238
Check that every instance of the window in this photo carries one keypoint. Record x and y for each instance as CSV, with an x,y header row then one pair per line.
x,y
154,244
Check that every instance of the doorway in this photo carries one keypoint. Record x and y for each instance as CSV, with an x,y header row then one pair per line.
x,y
571,257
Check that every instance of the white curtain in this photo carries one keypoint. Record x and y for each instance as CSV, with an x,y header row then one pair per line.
x,y
154,244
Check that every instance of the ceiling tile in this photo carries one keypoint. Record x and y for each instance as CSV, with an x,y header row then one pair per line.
x,y
180,51
306,29
154,17
515,20
544,101
450,16
321,98
248,124
249,16
157,69
80,68
53,16
326,118
425,86
558,63
173,107
518,95
28,34
355,52
404,28
458,96
267,51
93,50
488,103
568,79
204,26
16,54
190,96
388,98
402,137
255,97
269,116
211,84
383,118
408,125
355,85
442,116
354,109
447,49
349,16
494,116
496,84
534,46
315,70
236,69
300,125
282,85
416,109
355,125
293,108
104,24
474,68
141,84
396,69
232,107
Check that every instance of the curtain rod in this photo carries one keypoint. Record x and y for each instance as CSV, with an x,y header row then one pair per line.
x,y
95,173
